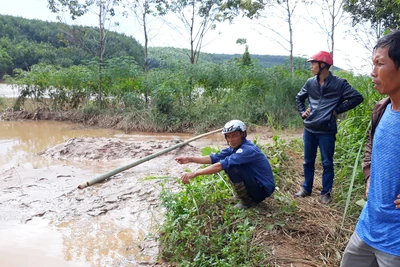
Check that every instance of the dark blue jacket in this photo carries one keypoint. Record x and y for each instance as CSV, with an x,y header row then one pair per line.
x,y
249,157
336,94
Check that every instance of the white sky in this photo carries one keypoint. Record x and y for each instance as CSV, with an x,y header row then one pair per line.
x,y
308,38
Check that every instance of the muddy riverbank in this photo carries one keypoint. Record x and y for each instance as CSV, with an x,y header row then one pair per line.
x,y
112,223
108,224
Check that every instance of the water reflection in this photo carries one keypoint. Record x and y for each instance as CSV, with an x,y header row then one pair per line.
x,y
33,244
102,243
20,141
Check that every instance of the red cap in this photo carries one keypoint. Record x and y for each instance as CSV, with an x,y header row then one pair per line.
x,y
322,56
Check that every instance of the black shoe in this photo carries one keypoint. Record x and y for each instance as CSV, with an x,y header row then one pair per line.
x,y
241,205
302,193
325,199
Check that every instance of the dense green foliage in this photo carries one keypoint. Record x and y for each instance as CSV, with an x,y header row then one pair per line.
x,y
382,12
204,232
26,42
350,138
176,94
180,95
160,54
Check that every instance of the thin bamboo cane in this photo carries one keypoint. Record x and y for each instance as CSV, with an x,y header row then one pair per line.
x,y
104,176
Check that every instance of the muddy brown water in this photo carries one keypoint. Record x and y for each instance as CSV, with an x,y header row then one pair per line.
x,y
46,221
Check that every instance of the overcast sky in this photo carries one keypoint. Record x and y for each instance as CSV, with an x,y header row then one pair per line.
x,y
308,38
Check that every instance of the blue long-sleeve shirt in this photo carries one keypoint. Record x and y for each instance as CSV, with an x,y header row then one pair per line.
x,y
251,158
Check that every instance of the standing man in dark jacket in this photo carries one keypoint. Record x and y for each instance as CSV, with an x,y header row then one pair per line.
x,y
328,96
376,239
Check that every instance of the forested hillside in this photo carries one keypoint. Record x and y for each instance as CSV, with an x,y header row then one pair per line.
x,y
159,54
26,42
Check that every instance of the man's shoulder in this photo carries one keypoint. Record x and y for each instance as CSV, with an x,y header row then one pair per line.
x,y
337,78
311,82
250,146
312,79
382,103
247,144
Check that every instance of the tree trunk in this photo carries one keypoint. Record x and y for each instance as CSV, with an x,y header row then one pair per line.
x,y
290,39
100,54
146,52
333,32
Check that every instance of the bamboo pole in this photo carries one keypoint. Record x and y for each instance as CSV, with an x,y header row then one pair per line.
x,y
104,176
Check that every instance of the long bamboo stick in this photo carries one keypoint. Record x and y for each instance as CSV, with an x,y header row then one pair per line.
x,y
104,176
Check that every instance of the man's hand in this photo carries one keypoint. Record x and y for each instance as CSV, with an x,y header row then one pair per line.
x,y
397,202
335,114
306,113
187,176
182,160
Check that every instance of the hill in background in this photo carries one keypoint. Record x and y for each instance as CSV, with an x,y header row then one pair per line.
x,y
159,54
26,42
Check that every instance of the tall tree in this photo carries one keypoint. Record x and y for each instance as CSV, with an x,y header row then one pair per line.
x,y
5,62
332,14
104,10
370,19
366,34
378,12
282,11
197,18
246,58
145,12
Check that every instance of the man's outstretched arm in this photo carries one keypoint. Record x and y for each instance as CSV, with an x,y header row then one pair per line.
x,y
199,160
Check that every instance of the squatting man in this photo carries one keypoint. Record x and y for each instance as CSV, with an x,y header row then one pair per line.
x,y
244,163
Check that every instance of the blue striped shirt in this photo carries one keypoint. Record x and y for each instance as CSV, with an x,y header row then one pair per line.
x,y
379,222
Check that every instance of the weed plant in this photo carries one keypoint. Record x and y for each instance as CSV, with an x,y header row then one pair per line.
x,y
350,147
202,228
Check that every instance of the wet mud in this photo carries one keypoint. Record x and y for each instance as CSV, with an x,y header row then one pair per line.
x,y
48,220
45,220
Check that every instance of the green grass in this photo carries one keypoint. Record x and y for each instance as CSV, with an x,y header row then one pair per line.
x,y
202,228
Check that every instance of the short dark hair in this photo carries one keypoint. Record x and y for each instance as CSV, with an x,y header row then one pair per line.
x,y
392,41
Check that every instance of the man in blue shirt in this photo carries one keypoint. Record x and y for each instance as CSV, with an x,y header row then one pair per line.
x,y
376,239
244,163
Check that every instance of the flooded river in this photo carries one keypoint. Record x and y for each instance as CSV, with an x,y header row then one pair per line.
x,y
46,221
